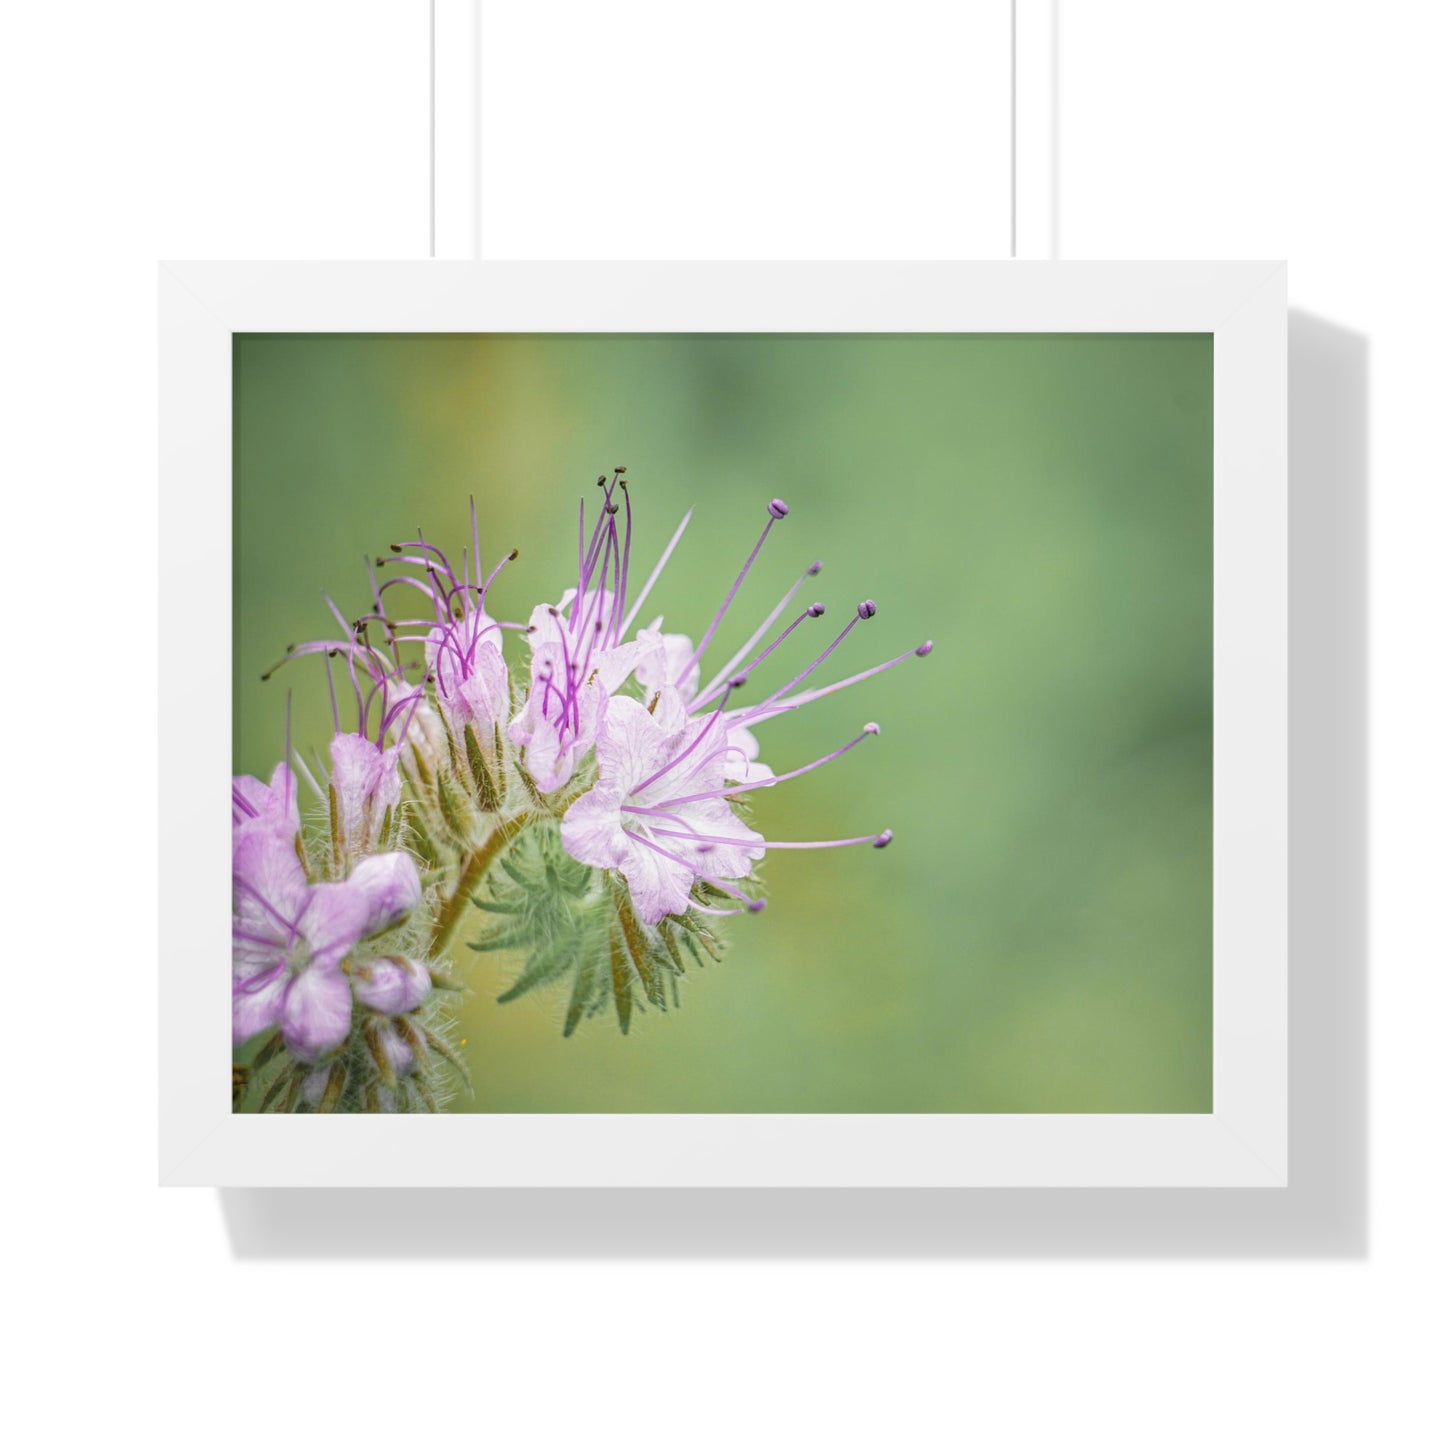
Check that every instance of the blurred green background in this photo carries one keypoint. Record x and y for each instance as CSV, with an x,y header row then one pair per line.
x,y
1038,936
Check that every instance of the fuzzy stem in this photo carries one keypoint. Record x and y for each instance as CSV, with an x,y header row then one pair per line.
x,y
473,866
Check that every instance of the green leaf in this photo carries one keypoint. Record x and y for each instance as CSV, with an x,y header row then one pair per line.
x,y
488,905
544,966
506,938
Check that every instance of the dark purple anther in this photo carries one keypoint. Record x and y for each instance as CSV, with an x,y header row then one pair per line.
x,y
815,569
923,649
777,509
884,838
757,905
817,610
867,609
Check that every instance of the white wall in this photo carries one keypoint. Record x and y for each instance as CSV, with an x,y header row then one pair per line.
x,y
270,129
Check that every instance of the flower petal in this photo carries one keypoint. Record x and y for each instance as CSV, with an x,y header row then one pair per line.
x,y
316,1012
483,698
390,887
366,782
393,985
592,828
268,884
256,1004
664,659
272,805
631,744
659,885
740,764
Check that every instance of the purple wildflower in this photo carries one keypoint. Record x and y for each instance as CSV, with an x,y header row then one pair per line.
x,y
660,810
366,783
578,656
632,820
258,806
289,936
391,985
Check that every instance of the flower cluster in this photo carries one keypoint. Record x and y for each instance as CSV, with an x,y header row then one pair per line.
x,y
589,802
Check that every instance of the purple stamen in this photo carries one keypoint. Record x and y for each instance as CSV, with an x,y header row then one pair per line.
x,y
476,545
582,612
773,515
621,594
412,700
818,662
331,687
438,605
598,532
762,631
381,610
789,704
702,733
656,573
754,905
477,635
878,840
871,730
816,610
492,575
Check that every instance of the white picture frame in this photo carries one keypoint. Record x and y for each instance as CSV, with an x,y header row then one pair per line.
x,y
1242,1143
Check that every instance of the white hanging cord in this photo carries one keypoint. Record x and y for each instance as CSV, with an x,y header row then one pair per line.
x,y
432,133
1013,130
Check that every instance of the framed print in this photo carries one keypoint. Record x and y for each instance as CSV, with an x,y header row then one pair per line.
x,y
733,724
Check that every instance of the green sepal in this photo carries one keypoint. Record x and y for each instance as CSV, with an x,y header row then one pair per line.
x,y
481,774
638,946
335,1086
669,942
438,1045
528,781
334,808
452,815
501,758
371,1031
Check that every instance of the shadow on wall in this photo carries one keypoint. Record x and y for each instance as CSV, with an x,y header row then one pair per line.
x,y
1325,1211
